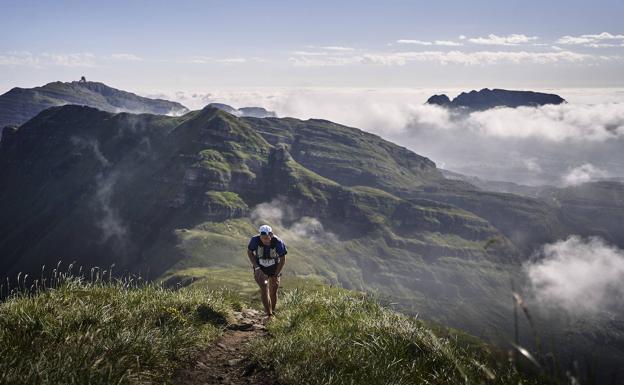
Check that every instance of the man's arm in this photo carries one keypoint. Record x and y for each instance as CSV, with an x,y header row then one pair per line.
x,y
280,265
252,258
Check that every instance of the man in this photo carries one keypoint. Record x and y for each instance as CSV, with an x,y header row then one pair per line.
x,y
267,254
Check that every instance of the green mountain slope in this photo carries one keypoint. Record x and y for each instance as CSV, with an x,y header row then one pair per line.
x,y
169,195
145,191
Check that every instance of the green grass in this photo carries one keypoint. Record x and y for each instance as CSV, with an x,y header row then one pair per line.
x,y
227,199
124,332
239,283
337,337
106,333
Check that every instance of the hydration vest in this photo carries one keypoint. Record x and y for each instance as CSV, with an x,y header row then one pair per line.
x,y
273,257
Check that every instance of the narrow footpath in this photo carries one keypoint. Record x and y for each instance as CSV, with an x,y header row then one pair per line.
x,y
226,360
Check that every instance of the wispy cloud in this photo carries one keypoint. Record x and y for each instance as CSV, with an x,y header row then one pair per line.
x,y
27,59
126,57
46,59
604,39
446,57
288,224
338,48
232,60
447,43
513,39
221,60
583,174
309,53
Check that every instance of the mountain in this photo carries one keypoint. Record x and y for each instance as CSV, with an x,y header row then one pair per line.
x,y
486,99
497,185
254,112
592,208
166,195
20,104
171,192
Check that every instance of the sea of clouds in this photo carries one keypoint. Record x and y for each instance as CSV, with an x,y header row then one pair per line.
x,y
560,145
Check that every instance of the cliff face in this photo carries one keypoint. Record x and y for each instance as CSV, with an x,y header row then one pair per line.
x,y
486,98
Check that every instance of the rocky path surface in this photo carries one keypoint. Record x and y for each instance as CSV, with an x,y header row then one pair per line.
x,y
226,360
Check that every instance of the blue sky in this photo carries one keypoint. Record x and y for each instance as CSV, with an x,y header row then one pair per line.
x,y
153,45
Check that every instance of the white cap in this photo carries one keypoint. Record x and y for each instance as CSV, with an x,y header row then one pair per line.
x,y
265,229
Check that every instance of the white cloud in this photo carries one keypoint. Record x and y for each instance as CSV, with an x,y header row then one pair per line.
x,y
126,57
27,59
309,53
382,111
70,60
593,40
582,276
231,60
448,57
574,40
46,59
226,60
338,48
20,59
285,222
557,123
417,42
447,43
532,164
602,45
583,174
309,61
513,39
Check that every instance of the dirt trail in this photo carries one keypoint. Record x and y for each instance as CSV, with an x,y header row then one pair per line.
x,y
226,361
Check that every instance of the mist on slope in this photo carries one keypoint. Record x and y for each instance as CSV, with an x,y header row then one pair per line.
x,y
582,276
559,145
110,222
288,225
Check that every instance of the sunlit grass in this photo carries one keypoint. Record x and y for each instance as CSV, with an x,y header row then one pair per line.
x,y
96,332
337,337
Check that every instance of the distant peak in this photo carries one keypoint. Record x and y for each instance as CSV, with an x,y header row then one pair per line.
x,y
490,98
440,100
253,112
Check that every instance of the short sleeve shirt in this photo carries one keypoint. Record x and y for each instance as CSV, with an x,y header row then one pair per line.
x,y
277,247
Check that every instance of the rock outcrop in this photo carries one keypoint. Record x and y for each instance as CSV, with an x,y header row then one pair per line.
x,y
487,98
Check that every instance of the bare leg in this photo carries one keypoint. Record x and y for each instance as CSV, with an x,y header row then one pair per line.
x,y
261,280
266,301
273,286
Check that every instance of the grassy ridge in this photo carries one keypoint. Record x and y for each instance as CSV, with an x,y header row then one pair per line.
x,y
105,333
95,332
336,337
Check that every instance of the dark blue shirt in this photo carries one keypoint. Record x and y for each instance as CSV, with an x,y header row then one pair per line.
x,y
276,243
